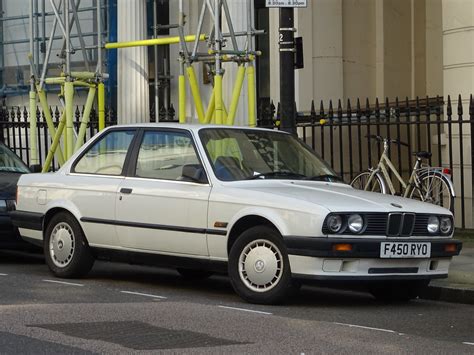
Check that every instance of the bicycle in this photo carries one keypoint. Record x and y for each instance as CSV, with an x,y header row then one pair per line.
x,y
428,184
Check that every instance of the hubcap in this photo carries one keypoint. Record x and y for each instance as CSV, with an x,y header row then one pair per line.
x,y
260,265
61,245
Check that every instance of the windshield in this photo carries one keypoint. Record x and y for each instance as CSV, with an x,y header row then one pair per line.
x,y
9,162
244,154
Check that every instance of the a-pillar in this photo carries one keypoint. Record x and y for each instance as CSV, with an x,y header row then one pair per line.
x,y
133,103
458,70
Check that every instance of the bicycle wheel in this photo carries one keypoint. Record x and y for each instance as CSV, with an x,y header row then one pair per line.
x,y
434,189
376,185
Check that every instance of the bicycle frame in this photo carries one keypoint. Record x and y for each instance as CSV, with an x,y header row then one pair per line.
x,y
385,165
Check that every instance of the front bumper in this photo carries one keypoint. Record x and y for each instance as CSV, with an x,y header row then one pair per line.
x,y
315,258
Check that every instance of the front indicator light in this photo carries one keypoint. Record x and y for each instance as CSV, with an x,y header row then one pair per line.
x,y
450,248
433,225
342,247
355,223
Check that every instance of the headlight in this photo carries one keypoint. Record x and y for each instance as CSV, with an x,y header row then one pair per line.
x,y
433,224
334,223
355,223
445,225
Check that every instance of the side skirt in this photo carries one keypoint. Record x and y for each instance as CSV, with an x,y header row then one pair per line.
x,y
137,258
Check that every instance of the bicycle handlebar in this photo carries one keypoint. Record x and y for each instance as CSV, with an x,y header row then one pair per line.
x,y
382,139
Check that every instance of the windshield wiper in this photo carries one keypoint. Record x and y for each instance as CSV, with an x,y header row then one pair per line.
x,y
277,174
325,177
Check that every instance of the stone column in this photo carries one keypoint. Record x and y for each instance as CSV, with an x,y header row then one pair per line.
x,y
238,13
132,66
458,78
328,82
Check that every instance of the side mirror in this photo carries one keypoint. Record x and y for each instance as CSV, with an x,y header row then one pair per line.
x,y
36,168
194,172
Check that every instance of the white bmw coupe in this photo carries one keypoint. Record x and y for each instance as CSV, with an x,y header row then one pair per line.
x,y
255,203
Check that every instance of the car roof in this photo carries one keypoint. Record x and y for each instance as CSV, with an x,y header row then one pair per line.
x,y
188,126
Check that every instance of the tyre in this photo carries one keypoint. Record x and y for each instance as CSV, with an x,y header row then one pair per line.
x,y
397,291
434,189
259,269
66,250
194,274
376,185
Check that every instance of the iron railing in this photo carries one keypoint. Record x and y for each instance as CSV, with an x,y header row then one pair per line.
x,y
340,136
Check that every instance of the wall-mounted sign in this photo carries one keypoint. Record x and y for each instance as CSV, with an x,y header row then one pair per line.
x,y
287,3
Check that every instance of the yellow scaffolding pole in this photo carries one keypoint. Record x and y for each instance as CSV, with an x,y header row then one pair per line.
x,y
153,42
211,108
49,122
239,80
33,130
218,99
69,98
251,95
55,144
182,99
193,84
101,105
86,118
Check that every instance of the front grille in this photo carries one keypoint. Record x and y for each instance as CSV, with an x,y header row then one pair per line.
x,y
400,224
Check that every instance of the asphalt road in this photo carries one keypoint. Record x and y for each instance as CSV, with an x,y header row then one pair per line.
x,y
121,308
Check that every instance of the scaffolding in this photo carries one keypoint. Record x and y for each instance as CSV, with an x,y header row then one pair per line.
x,y
216,40
65,141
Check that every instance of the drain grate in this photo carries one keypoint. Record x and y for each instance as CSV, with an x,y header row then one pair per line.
x,y
137,335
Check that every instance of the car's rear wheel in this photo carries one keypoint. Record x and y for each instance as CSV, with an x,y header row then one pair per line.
x,y
66,250
259,269
397,291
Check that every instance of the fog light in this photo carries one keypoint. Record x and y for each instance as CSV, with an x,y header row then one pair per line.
x,y
355,223
334,223
342,247
433,224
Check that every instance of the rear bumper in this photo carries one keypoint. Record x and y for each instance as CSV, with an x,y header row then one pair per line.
x,y
314,258
27,220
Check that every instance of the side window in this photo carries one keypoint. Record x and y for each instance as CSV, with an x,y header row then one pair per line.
x,y
168,156
106,156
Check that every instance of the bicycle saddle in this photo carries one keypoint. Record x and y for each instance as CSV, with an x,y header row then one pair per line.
x,y
422,154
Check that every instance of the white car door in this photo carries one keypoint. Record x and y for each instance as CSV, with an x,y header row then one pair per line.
x,y
162,204
94,181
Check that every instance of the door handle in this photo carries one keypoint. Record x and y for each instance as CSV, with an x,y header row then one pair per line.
x,y
125,190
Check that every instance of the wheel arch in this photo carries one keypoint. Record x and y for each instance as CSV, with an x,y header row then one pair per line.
x,y
57,208
246,222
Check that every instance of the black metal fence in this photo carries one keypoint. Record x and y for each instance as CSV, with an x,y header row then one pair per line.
x,y
340,135
15,127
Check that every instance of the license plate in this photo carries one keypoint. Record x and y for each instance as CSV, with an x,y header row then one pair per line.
x,y
405,250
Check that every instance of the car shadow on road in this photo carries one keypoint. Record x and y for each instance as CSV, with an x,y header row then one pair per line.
x,y
21,257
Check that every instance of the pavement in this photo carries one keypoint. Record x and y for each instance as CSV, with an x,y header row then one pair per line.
x,y
459,286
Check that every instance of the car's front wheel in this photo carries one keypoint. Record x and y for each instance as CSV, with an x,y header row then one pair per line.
x,y
397,291
259,269
66,250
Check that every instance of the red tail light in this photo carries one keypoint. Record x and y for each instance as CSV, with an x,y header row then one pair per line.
x,y
447,171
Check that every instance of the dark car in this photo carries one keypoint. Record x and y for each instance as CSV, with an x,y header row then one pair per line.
x,y
11,168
